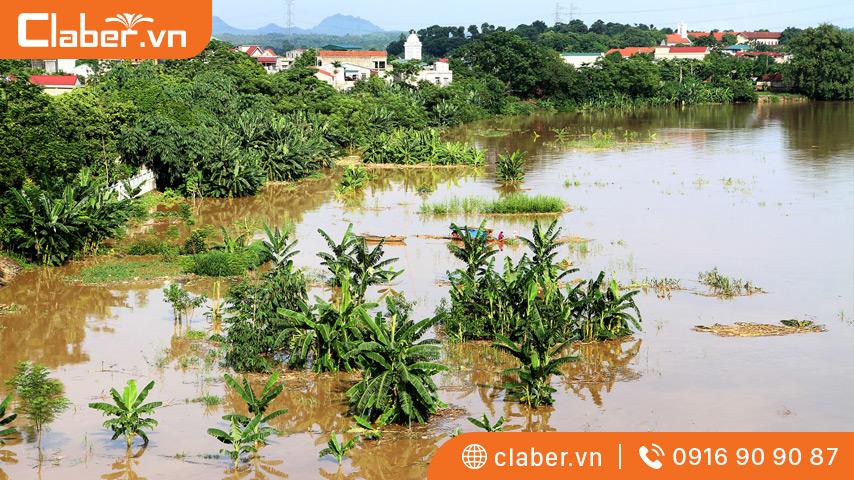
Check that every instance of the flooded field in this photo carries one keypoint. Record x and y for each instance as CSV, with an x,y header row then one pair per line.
x,y
763,193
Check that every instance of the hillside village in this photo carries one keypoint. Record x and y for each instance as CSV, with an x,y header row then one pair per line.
x,y
341,66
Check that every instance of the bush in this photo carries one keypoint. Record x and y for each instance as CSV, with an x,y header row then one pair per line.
x,y
412,147
151,246
510,167
219,263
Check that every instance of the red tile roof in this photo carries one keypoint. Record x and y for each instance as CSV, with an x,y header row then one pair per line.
x,y
761,35
719,36
54,80
325,73
352,53
267,59
675,38
629,51
689,49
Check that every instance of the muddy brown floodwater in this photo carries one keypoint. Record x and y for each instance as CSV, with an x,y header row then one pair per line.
x,y
764,193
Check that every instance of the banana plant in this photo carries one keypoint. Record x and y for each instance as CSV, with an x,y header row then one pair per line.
x,y
129,412
397,369
257,404
510,167
368,430
484,423
338,448
539,355
277,248
243,439
6,419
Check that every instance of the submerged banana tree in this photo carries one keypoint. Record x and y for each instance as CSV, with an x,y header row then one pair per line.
x,y
6,419
256,404
539,356
243,439
129,412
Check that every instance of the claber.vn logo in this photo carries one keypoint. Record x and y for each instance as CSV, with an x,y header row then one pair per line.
x,y
83,37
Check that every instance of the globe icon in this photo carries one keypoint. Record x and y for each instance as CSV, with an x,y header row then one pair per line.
x,y
474,456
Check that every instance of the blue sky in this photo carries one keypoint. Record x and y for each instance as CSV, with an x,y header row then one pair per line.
x,y
403,14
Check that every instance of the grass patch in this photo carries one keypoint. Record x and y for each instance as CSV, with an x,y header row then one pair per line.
x,y
195,335
219,263
208,400
516,204
727,287
119,271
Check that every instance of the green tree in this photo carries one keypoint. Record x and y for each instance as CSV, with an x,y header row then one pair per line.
x,y
821,65
39,398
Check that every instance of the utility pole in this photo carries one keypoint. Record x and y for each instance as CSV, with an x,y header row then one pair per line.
x,y
289,16
557,13
571,12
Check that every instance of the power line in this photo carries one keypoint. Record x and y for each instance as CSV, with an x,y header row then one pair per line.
x,y
289,16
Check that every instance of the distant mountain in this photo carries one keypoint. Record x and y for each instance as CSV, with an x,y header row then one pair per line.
x,y
345,25
339,25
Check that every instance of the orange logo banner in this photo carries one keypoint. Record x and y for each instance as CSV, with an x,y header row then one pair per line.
x,y
104,29
645,455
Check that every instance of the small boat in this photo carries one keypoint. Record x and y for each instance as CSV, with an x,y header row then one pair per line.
x,y
387,239
472,232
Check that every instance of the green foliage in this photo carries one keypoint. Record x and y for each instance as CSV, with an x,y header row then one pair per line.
x,y
486,424
40,399
129,411
230,261
412,147
727,287
514,204
354,178
277,248
243,438
150,246
368,430
260,403
323,335
353,263
485,303
821,63
196,242
253,325
121,270
397,368
510,167
183,303
6,419
603,313
338,448
50,229
538,352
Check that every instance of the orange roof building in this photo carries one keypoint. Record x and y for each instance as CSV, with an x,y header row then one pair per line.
x,y
629,51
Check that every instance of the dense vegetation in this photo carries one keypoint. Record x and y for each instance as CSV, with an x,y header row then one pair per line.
x,y
218,125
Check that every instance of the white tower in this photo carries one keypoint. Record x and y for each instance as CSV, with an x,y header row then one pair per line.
x,y
412,47
682,29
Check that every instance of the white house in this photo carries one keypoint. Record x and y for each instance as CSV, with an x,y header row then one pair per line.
x,y
765,38
664,52
376,60
580,59
439,73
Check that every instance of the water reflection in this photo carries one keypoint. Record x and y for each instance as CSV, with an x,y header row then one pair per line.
x,y
599,367
51,327
123,468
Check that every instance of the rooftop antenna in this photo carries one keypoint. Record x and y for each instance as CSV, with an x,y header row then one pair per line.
x,y
289,16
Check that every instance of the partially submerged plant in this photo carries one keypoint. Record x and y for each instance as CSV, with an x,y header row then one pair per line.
x,y
243,438
604,313
40,398
397,368
486,424
338,448
510,167
539,356
260,403
366,429
183,303
354,178
726,287
129,412
6,419
276,246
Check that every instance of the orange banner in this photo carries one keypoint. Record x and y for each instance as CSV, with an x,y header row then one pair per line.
x,y
104,29
643,455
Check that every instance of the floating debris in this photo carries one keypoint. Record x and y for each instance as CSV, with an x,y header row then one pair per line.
x,y
745,329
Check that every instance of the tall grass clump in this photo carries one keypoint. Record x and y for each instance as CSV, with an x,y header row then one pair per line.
x,y
517,203
726,287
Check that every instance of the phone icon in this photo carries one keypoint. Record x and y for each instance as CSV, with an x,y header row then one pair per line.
x,y
644,453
